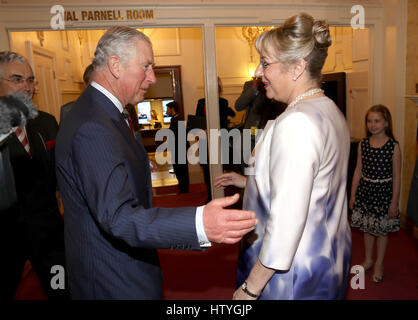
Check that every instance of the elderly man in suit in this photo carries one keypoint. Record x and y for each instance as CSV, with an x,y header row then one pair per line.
x,y
111,230
33,227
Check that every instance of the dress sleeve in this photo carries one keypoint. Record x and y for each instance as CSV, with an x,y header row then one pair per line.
x,y
295,152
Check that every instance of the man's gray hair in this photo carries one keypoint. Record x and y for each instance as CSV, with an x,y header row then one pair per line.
x,y
9,57
117,41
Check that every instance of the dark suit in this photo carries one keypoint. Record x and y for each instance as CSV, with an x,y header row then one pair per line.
x,y
65,109
224,113
181,169
111,230
8,196
412,208
33,226
259,109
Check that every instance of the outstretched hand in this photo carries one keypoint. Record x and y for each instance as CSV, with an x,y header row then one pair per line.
x,y
227,225
230,179
153,166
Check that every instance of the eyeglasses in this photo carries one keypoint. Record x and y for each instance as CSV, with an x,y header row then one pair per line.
x,y
265,64
148,67
19,80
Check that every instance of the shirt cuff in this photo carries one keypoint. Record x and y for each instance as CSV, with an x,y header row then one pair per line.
x,y
200,229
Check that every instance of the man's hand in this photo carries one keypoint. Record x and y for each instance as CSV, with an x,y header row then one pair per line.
x,y
230,179
153,166
258,84
227,225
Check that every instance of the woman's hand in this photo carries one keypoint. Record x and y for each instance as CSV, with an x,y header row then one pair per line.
x,y
351,203
393,210
230,179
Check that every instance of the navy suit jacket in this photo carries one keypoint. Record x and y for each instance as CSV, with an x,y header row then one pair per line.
x,y
111,230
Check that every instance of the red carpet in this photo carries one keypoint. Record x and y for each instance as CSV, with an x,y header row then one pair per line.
x,y
400,280
210,275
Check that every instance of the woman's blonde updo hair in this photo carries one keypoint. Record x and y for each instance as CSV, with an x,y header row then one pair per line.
x,y
300,37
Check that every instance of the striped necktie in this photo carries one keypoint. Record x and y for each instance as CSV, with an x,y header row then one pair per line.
x,y
21,135
128,120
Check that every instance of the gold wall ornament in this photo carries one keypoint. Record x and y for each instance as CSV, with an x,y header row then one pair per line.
x,y
80,36
41,37
251,34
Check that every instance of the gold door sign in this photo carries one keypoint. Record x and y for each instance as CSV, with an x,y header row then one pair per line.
x,y
109,15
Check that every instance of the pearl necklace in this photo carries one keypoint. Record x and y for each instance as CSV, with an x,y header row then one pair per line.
x,y
304,95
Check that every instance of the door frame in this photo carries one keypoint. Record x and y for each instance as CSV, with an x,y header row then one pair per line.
x,y
31,51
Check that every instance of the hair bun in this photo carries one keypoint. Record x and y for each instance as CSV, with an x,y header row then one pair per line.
x,y
320,31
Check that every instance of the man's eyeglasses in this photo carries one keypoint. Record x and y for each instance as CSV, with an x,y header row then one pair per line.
x,y
19,80
148,67
265,64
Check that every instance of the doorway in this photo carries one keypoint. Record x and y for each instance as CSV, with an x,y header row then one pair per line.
x,y
43,62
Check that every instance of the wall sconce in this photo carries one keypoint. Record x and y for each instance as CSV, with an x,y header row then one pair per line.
x,y
252,66
41,37
251,34
80,37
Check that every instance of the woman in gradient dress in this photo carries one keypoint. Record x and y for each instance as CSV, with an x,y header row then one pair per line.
x,y
296,182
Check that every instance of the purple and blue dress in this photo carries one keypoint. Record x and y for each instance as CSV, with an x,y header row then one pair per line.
x,y
296,184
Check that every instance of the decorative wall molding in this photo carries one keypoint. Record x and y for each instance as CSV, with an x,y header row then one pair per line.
x,y
67,75
41,37
70,92
361,45
64,40
414,98
172,35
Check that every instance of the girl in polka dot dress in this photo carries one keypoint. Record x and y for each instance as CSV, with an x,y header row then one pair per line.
x,y
376,186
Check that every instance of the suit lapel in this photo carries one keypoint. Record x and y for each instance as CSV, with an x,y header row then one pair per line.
x,y
113,112
16,147
35,138
135,146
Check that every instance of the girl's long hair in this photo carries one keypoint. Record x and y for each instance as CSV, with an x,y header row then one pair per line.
x,y
384,111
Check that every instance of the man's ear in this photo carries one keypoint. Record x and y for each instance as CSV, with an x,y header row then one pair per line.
x,y
115,66
298,68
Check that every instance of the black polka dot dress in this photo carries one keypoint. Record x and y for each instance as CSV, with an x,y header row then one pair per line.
x,y
374,193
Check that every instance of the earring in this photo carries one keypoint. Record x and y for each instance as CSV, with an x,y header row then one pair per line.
x,y
294,78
